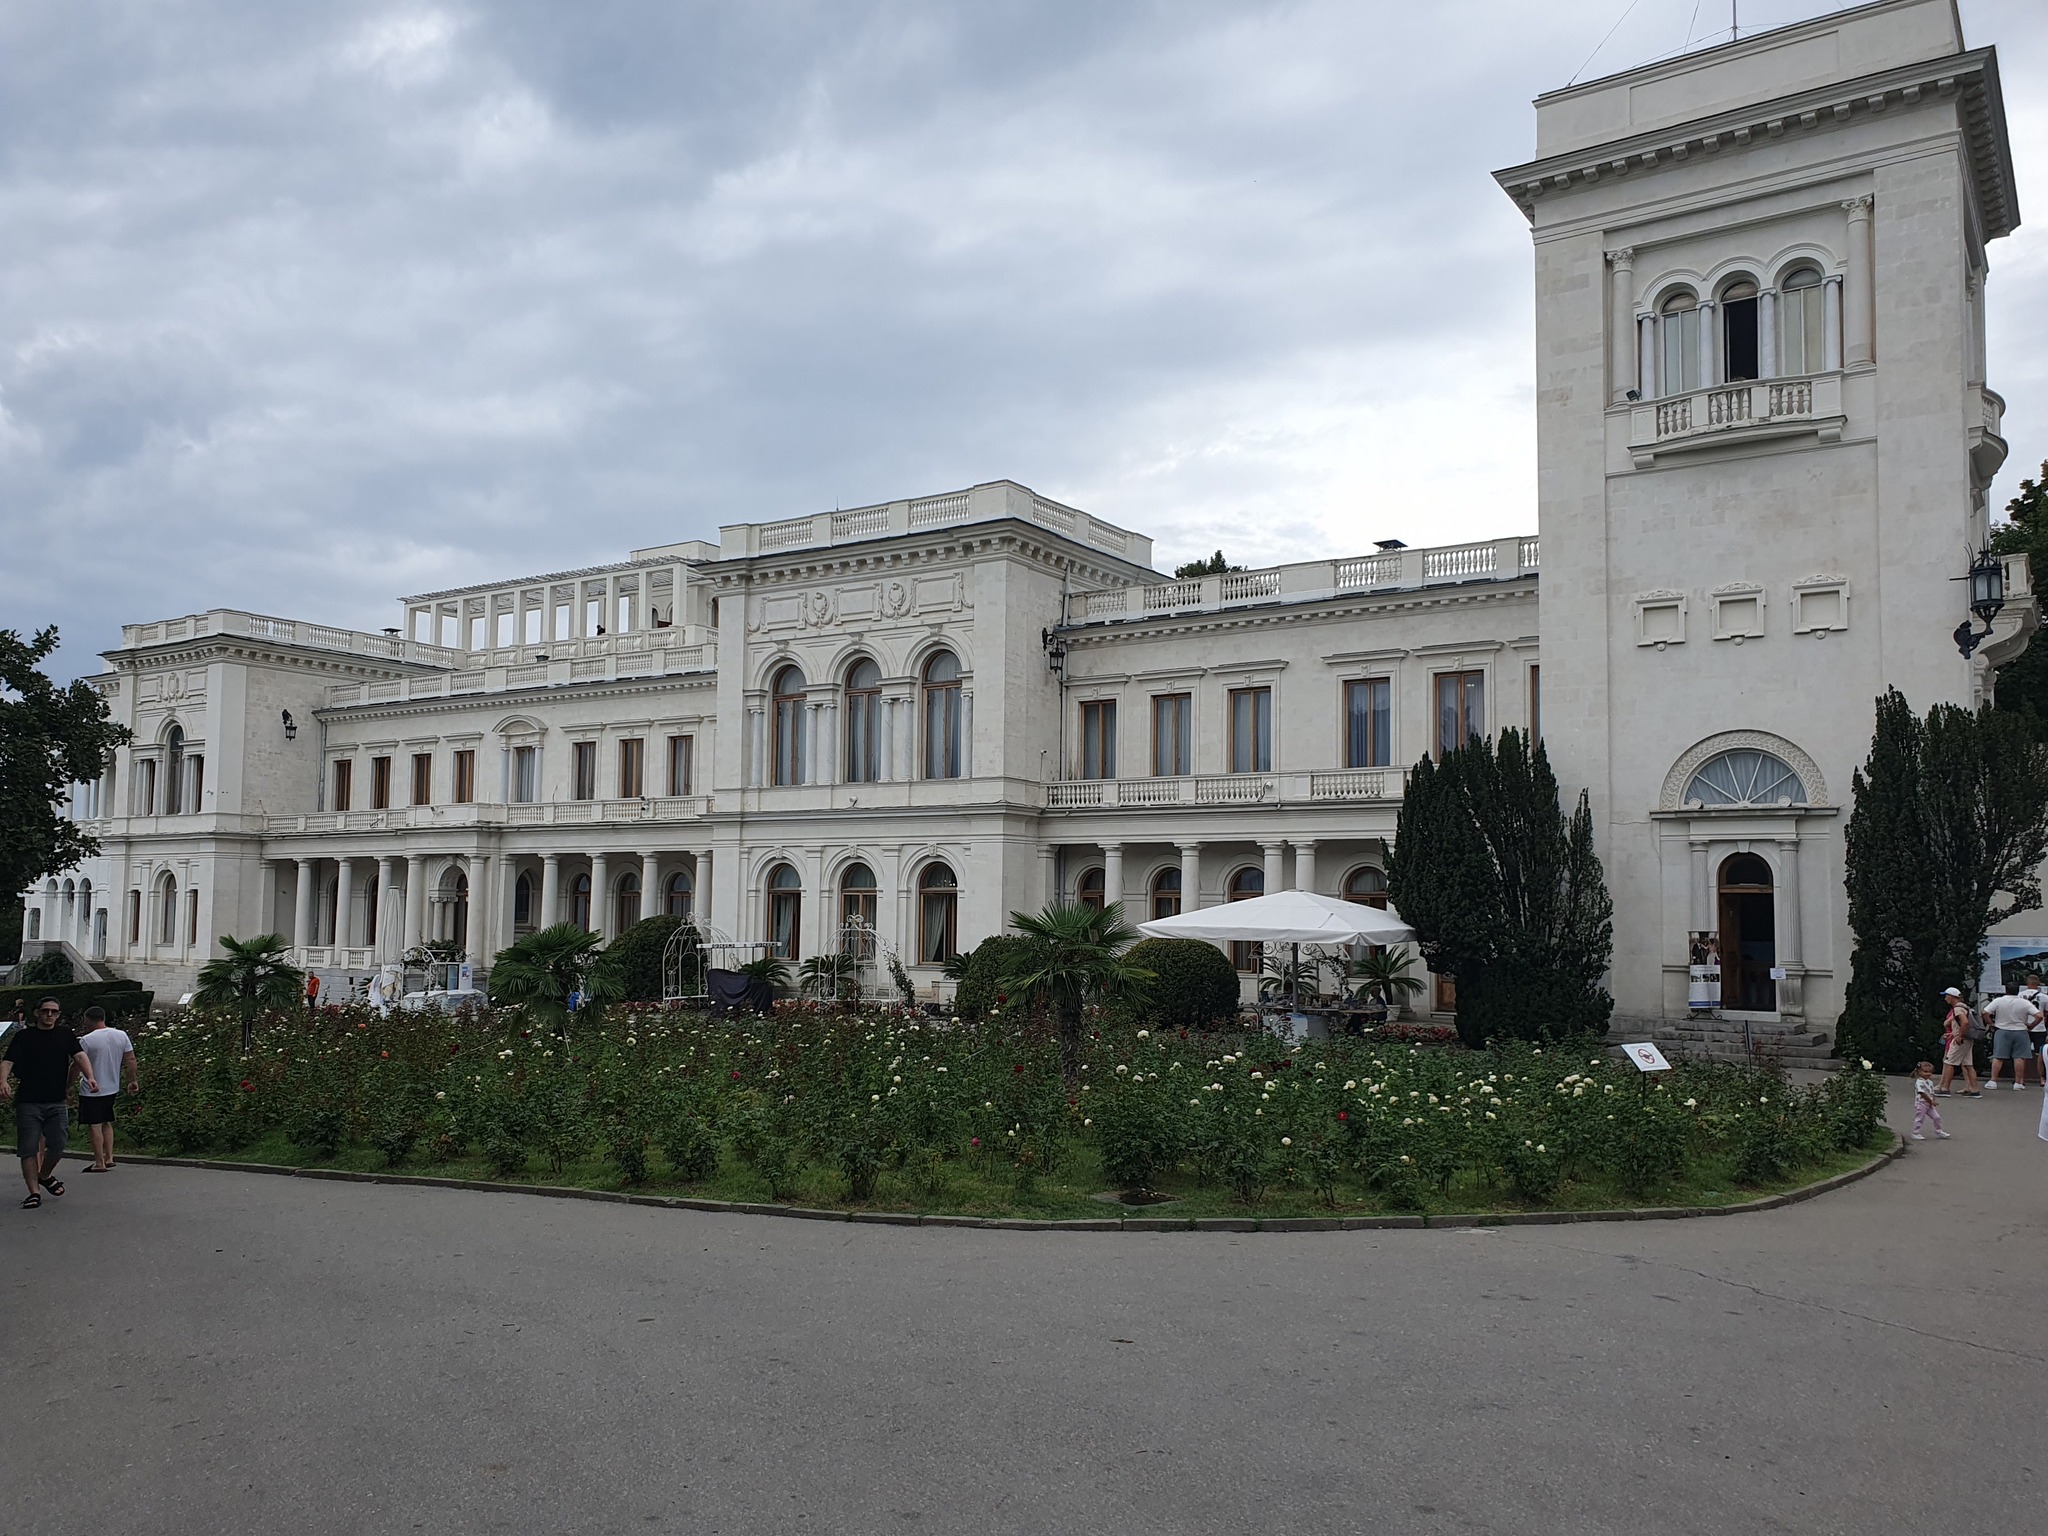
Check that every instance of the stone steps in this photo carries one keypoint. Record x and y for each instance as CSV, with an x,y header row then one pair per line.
x,y
1727,1040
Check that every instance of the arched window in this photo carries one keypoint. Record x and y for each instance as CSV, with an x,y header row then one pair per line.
x,y
1802,322
579,903
785,909
174,771
857,899
1245,884
678,897
1678,339
1166,894
1739,349
1367,887
522,903
1745,777
789,726
863,722
938,914
1089,890
167,910
942,716
628,901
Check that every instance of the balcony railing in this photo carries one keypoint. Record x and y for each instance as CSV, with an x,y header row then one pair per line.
x,y
1758,408
486,813
1341,786
652,658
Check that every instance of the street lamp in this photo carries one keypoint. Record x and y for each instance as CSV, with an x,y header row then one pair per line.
x,y
1987,598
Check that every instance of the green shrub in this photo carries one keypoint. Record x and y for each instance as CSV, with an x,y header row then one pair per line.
x,y
981,983
1136,1134
1194,984
51,968
636,957
395,1127
124,1000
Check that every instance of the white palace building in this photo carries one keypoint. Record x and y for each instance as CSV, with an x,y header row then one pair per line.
x,y
1765,444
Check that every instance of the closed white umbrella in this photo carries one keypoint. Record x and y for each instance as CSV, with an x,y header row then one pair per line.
x,y
1286,917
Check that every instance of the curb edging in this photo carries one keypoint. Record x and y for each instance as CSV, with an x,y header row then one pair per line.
x,y
1020,1224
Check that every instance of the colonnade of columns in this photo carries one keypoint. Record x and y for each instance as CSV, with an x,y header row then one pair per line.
x,y
1272,867
822,759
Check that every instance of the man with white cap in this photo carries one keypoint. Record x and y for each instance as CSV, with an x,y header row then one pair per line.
x,y
1957,1048
2011,1018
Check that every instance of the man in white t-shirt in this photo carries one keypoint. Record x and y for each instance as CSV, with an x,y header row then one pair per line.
x,y
2011,1018
112,1055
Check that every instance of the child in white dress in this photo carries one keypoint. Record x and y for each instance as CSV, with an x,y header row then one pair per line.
x,y
1924,1107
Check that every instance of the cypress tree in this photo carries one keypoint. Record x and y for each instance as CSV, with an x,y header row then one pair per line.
x,y
1505,892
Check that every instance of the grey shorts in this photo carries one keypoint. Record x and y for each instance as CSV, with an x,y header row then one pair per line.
x,y
2012,1045
40,1127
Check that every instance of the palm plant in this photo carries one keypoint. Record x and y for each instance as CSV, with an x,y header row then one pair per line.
x,y
1382,975
1073,958
830,977
542,970
772,969
253,976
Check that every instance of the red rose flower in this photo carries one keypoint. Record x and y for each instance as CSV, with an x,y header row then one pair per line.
x,y
247,1086
384,1055
735,1072
1341,1115
1017,1066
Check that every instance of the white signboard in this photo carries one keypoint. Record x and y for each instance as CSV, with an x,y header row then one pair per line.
x,y
464,978
1647,1057
1777,973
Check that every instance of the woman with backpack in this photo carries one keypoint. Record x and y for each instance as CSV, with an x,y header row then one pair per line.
x,y
1958,1044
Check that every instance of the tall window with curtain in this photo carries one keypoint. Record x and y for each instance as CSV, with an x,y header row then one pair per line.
x,y
1098,739
1678,344
858,896
1166,894
1368,723
1251,730
1244,885
1802,324
174,771
942,742
1460,709
788,747
1173,732
785,910
938,913
863,722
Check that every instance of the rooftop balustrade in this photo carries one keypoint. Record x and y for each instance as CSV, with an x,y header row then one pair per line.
x,y
256,626
1312,787
979,504
600,659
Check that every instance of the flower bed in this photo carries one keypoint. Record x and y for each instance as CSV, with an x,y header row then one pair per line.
x,y
887,1110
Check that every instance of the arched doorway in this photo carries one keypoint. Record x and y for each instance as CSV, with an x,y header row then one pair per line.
x,y
1749,935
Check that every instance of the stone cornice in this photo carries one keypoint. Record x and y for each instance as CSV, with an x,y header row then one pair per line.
x,y
205,649
518,698
868,558
1970,79
1349,605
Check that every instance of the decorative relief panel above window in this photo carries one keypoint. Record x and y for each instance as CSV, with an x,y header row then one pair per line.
x,y
1738,612
1660,619
1820,605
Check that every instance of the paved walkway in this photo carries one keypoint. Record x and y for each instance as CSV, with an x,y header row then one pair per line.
x,y
222,1352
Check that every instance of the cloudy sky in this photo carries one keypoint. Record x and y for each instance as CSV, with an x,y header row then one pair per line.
x,y
303,308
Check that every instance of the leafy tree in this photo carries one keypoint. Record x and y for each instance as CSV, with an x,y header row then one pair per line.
x,y
1215,565
1950,814
251,976
2023,681
540,970
50,738
637,956
1073,958
1505,891
1194,985
981,979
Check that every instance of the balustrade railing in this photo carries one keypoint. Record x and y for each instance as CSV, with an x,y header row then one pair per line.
x,y
1354,785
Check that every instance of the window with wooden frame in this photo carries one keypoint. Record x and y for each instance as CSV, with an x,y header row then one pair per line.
x,y
632,768
863,722
1090,890
525,774
1173,735
1369,723
1535,703
465,776
680,751
787,727
1243,886
785,910
938,914
583,770
1166,894
344,783
943,756
1460,709
380,783
423,778
1098,739
1251,730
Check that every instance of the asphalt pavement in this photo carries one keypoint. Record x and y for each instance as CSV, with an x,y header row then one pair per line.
x,y
197,1351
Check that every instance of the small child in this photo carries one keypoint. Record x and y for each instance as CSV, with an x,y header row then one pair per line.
x,y
1924,1107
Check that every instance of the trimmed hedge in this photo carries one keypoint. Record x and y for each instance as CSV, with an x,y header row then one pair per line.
x,y
983,983
637,955
1196,986
121,999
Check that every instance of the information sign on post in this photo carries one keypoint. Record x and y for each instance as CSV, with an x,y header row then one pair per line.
x,y
1647,1057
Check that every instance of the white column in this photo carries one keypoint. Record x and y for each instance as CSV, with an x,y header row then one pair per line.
x,y
966,733
1305,866
1621,343
906,746
1048,875
1113,872
481,942
1190,877
826,767
380,950
1710,369
1858,323
1646,362
1767,334
413,933
1276,878
700,896
550,890
600,896
757,749
507,925
1831,323
813,770
887,726
266,896
344,897
302,907
650,886
1790,952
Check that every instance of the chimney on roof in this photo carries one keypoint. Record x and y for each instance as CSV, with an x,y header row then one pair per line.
x,y
1387,546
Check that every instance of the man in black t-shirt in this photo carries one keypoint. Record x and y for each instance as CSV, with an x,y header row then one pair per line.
x,y
42,1056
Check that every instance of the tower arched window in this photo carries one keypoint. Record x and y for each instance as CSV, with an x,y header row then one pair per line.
x,y
857,903
788,694
942,740
1802,322
174,771
1678,342
785,910
863,722
1740,353
938,914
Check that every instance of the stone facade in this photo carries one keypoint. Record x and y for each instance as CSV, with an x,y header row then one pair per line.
x,y
1765,442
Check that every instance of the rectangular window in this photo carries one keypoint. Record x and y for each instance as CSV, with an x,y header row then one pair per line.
x,y
476,632
1535,704
1098,739
593,615
679,764
632,768
1368,723
465,777
626,602
135,917
195,781
526,774
504,624
423,778
583,770
1251,730
145,786
344,784
562,617
1460,709
531,631
1173,720
380,783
